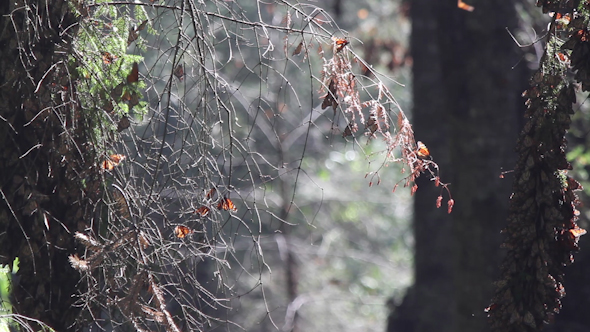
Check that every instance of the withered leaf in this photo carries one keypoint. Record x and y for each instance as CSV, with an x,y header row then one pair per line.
x,y
298,49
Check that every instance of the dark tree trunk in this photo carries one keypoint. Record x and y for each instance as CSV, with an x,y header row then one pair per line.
x,y
428,305
467,110
44,159
487,110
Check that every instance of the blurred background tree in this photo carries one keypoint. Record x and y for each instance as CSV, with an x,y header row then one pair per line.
x,y
467,78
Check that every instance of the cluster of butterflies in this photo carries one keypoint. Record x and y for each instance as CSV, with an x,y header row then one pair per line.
x,y
339,44
123,92
108,58
330,98
180,231
120,93
224,204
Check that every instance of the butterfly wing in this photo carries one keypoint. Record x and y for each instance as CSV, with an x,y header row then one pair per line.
x,y
203,211
108,165
422,151
340,43
226,204
182,231
134,74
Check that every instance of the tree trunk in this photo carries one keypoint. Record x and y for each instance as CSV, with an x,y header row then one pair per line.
x,y
485,123
467,110
44,158
428,305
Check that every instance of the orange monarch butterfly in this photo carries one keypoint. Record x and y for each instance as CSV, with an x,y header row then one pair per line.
x,y
330,100
134,75
211,193
182,231
569,238
121,202
126,96
108,58
134,99
349,130
113,161
577,232
179,72
226,204
123,124
298,49
422,151
134,32
464,6
340,43
562,57
203,211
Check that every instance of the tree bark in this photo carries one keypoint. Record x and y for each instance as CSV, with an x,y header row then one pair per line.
x,y
429,302
44,158
467,110
485,124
